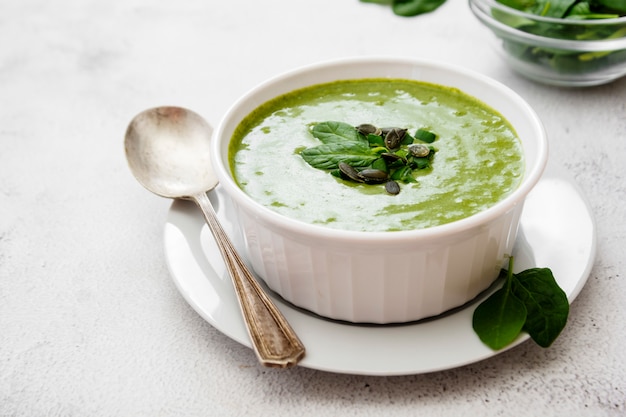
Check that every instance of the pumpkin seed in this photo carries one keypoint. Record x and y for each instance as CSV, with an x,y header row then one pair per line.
x,y
392,157
349,172
373,176
392,187
368,129
393,138
419,150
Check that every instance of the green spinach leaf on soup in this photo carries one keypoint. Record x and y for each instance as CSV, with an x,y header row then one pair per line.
x,y
370,155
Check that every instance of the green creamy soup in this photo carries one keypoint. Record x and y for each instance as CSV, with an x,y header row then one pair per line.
x,y
478,159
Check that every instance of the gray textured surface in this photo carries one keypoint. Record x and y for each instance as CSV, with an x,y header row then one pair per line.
x,y
90,321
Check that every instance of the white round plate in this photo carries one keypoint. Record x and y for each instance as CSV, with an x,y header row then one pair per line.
x,y
557,231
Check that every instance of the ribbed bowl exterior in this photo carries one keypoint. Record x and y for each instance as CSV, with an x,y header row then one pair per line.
x,y
369,284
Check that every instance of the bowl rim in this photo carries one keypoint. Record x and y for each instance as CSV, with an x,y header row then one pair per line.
x,y
574,22
299,227
478,7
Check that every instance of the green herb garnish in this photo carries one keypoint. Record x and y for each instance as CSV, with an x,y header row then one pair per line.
x,y
425,135
409,8
530,301
370,155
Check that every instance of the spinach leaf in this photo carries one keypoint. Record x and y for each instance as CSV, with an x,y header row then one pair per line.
x,y
553,8
582,11
375,140
329,155
336,132
404,174
380,164
546,303
518,4
425,135
530,301
341,143
500,318
408,8
618,6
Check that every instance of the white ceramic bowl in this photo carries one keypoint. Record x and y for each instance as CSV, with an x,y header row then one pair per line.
x,y
382,277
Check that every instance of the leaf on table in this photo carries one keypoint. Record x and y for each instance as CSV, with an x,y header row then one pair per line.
x,y
545,301
415,7
499,319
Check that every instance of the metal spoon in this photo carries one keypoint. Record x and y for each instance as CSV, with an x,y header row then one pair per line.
x,y
168,151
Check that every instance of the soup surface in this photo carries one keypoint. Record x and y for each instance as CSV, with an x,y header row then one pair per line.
x,y
478,159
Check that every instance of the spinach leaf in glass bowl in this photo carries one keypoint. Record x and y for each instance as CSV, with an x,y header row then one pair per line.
x,y
561,42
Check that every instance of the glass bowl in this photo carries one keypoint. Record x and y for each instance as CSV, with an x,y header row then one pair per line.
x,y
555,51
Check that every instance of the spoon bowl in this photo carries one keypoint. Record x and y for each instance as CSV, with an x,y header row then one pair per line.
x,y
168,151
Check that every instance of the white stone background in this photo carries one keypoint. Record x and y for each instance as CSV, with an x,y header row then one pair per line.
x,y
91,323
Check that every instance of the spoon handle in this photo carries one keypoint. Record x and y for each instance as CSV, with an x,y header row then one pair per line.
x,y
274,341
